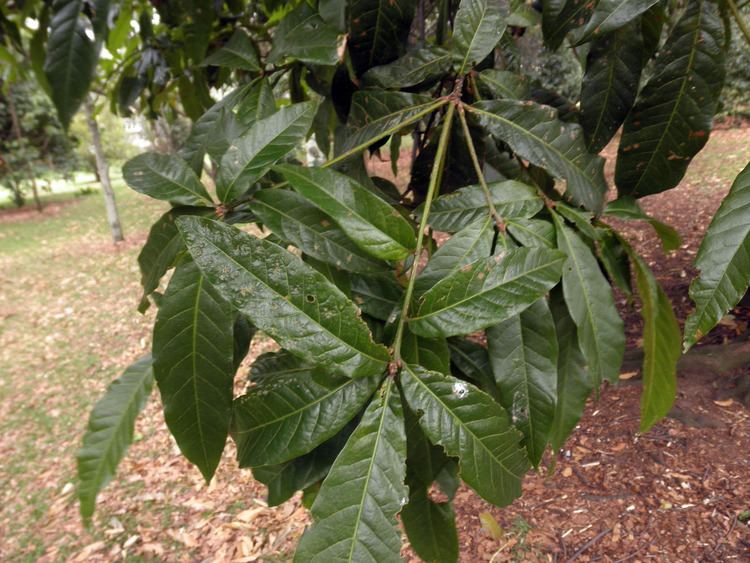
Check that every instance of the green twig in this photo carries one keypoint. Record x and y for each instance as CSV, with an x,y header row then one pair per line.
x,y
390,131
740,21
431,190
478,169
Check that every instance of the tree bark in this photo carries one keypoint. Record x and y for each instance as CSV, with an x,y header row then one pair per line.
x,y
102,169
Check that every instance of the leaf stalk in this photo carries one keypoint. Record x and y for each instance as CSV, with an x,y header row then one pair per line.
x,y
432,189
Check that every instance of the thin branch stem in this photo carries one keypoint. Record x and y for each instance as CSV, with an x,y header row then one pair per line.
x,y
364,145
478,169
390,131
740,21
431,190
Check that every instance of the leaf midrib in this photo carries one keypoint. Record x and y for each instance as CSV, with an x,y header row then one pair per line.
x,y
386,406
447,409
678,99
139,388
356,214
296,411
300,311
481,293
573,166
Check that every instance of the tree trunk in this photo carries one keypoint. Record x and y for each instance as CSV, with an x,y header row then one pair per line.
x,y
102,169
16,127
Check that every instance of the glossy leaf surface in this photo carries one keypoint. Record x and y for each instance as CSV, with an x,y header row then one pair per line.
x,y
455,211
574,383
724,262
671,120
367,219
487,292
284,297
110,431
465,247
592,307
194,366
268,141
472,427
523,355
291,217
610,84
535,133
420,65
166,177
286,416
478,27
355,510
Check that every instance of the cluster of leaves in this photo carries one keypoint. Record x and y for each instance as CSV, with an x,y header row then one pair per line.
x,y
383,391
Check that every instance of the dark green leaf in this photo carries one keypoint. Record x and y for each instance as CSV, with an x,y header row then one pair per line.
x,y
422,65
71,58
430,527
162,247
194,366
610,84
266,142
284,297
532,232
581,219
661,345
303,35
430,353
561,16
535,133
724,262
227,119
286,416
592,306
611,15
615,261
291,217
355,510
242,335
286,479
523,355
472,427
465,247
454,211
166,177
377,296
478,26
110,431
505,84
378,30
238,53
376,114
372,223
627,208
672,117
574,384
278,364
487,292
472,360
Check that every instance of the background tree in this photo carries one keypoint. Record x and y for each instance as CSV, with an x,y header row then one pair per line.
x,y
32,142
381,389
